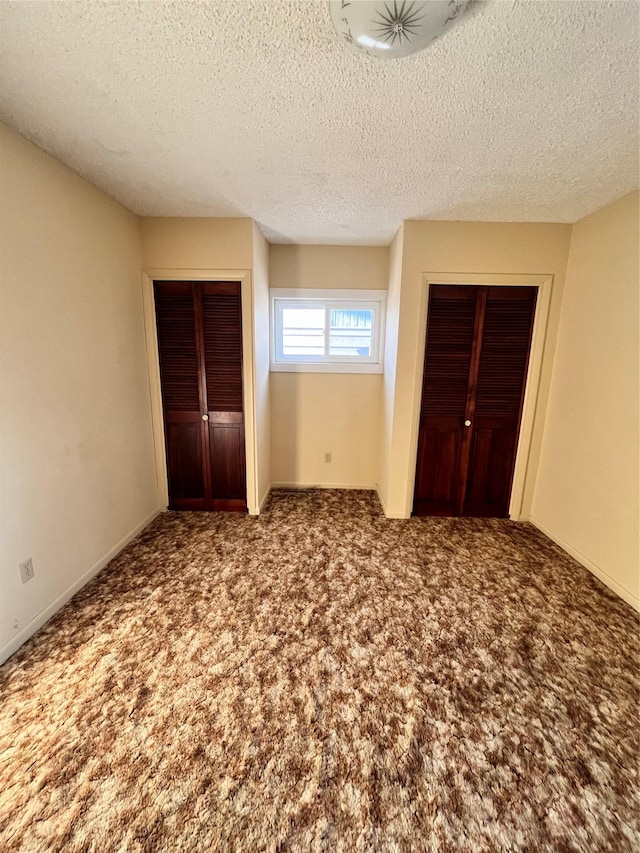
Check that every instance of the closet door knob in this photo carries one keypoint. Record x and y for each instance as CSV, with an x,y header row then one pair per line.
x,y
467,423
205,417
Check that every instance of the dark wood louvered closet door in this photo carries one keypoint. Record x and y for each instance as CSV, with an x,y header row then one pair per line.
x,y
181,396
222,322
199,327
476,360
502,372
451,331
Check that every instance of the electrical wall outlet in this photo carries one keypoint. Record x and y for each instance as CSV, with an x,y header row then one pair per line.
x,y
26,570
327,457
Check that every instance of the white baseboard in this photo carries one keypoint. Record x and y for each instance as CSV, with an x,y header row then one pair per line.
x,y
37,622
382,503
606,579
364,486
265,498
388,514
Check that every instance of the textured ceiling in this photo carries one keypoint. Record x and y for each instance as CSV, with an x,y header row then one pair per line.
x,y
525,111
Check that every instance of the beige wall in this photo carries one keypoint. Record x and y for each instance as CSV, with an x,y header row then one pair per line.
x,y
202,248
390,366
195,243
322,267
587,492
261,364
76,453
462,247
317,413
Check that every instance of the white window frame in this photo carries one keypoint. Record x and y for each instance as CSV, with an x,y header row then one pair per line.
x,y
373,300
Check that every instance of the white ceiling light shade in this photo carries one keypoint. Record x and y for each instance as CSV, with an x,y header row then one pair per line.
x,y
389,29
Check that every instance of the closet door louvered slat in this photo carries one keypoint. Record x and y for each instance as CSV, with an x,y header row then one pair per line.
x,y
200,351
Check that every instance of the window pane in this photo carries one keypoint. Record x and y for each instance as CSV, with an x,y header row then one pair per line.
x,y
351,331
303,331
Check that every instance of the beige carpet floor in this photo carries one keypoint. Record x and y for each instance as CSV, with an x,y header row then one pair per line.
x,y
321,678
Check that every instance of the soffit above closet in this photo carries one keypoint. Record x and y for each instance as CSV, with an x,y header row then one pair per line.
x,y
525,111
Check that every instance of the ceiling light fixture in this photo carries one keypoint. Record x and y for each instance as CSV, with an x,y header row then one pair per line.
x,y
390,29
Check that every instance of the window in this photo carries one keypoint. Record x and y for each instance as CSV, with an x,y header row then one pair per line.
x,y
337,331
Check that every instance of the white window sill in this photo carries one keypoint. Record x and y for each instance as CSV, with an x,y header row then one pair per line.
x,y
324,367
